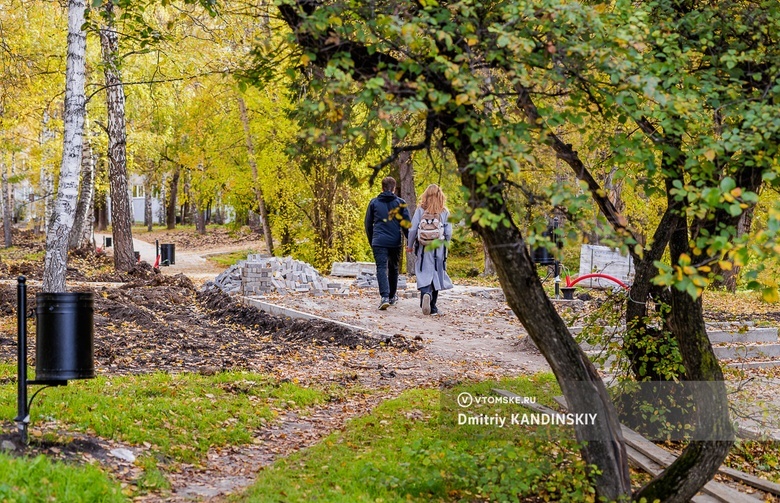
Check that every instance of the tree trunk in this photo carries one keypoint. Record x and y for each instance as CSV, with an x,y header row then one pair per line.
x,y
172,200
269,242
56,261
121,212
48,198
200,218
407,191
8,213
490,269
83,224
148,217
730,277
101,213
43,212
680,481
185,208
161,209
580,382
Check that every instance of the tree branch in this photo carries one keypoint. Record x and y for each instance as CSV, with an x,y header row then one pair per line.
x,y
566,153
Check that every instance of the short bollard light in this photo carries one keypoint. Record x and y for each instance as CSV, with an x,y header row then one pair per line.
x,y
64,344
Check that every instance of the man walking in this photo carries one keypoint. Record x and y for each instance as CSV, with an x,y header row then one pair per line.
x,y
387,218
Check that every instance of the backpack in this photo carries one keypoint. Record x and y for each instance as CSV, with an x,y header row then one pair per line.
x,y
430,229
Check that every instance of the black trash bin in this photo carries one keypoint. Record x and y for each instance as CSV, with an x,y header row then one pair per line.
x,y
167,254
64,345
137,256
542,256
109,242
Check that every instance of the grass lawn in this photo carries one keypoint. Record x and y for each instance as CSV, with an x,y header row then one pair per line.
x,y
38,479
228,259
405,451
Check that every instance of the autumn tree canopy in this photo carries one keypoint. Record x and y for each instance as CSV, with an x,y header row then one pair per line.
x,y
680,96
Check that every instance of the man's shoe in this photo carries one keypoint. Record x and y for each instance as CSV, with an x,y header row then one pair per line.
x,y
394,300
426,303
384,304
434,311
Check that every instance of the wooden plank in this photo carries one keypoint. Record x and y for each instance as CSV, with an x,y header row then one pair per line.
x,y
751,480
666,458
723,492
642,462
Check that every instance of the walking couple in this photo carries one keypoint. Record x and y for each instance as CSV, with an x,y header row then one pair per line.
x,y
387,222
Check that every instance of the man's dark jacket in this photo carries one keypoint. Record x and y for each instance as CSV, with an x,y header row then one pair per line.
x,y
383,220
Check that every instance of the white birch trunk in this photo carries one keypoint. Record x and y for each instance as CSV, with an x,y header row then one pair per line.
x,y
56,261
81,233
148,217
46,206
121,214
8,213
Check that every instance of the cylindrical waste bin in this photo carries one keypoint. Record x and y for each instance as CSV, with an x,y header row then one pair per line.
x,y
542,256
137,256
64,344
167,254
108,242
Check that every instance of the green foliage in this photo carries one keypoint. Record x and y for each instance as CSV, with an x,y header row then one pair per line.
x,y
38,479
661,100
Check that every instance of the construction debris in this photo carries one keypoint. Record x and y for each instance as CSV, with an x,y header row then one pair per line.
x,y
367,279
261,274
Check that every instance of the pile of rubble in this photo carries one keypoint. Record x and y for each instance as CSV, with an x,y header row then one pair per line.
x,y
260,274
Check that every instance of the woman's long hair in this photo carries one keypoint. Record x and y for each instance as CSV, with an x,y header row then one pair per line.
x,y
433,199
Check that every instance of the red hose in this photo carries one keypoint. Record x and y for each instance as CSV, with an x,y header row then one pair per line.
x,y
570,283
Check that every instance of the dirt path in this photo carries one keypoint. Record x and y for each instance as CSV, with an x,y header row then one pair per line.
x,y
191,262
476,324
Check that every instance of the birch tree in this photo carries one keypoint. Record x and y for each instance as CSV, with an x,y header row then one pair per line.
x,y
81,234
121,210
58,232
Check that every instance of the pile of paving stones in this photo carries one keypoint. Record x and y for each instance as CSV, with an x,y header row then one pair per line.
x,y
261,274
366,279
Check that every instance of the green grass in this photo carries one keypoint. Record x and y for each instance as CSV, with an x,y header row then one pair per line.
x,y
180,415
16,253
401,452
228,259
38,479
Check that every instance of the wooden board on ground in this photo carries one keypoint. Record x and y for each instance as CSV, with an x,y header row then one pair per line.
x,y
720,492
663,456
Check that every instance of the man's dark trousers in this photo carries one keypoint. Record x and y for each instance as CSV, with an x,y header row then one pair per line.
x,y
387,261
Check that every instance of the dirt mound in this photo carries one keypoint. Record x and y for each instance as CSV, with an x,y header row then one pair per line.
x,y
285,330
161,323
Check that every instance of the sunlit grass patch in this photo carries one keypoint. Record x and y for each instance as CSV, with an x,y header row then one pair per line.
x,y
180,415
39,479
400,452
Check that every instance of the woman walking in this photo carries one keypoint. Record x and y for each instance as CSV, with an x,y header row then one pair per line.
x,y
428,238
